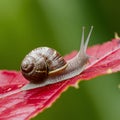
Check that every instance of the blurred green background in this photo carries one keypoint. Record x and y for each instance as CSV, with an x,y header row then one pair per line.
x,y
27,24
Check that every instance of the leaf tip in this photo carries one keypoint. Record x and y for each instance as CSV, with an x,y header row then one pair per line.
x,y
76,85
116,35
118,86
109,71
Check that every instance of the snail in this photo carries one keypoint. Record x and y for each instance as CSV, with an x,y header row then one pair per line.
x,y
44,66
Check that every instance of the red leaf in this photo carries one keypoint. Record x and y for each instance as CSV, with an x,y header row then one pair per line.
x,y
22,105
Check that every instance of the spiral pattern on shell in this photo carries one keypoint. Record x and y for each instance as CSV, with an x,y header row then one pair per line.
x,y
42,62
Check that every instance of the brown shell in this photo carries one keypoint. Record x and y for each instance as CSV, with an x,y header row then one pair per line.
x,y
42,62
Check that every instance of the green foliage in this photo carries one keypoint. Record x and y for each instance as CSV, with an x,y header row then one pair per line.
x,y
26,24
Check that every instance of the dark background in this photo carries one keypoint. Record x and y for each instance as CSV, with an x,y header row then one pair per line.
x,y
27,24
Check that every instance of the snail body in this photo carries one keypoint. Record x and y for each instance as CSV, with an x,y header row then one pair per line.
x,y
44,66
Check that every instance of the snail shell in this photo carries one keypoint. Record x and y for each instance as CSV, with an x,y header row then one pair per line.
x,y
41,63
44,66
